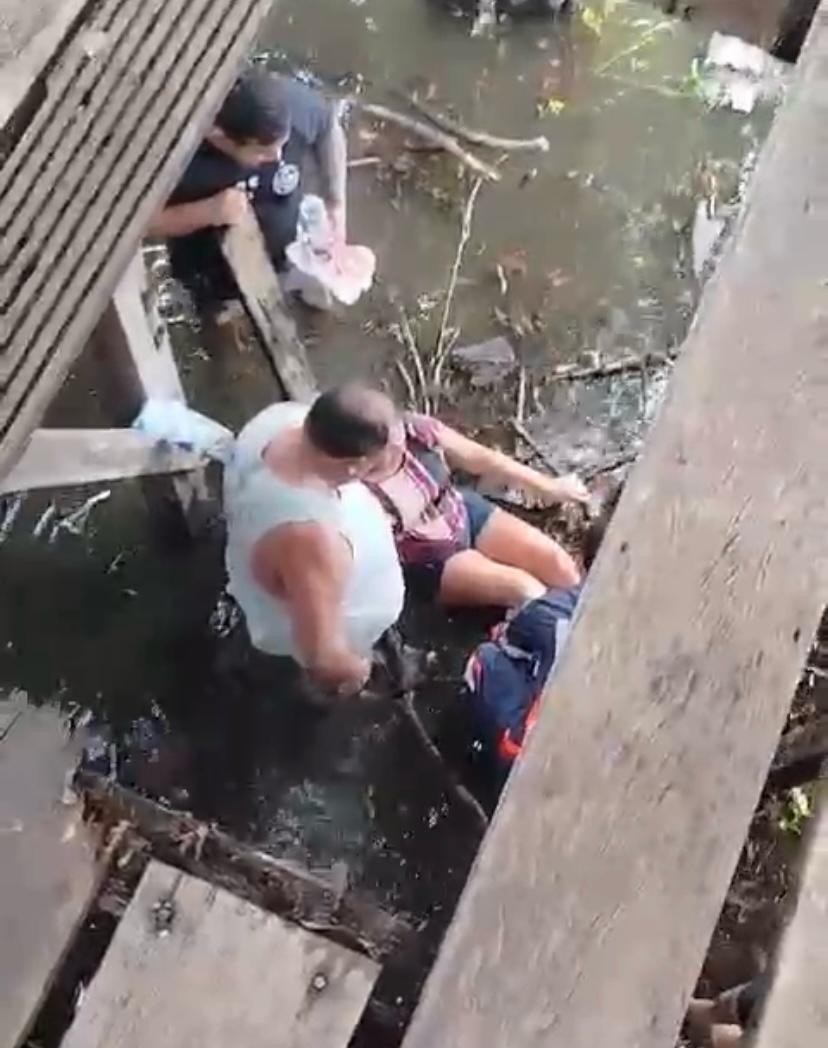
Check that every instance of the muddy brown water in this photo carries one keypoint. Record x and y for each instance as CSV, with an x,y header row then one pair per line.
x,y
593,239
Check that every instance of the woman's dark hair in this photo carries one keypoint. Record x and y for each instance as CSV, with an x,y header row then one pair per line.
x,y
256,110
350,421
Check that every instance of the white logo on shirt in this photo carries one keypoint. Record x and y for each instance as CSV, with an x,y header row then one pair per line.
x,y
285,179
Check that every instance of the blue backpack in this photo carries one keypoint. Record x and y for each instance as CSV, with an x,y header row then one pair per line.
x,y
505,675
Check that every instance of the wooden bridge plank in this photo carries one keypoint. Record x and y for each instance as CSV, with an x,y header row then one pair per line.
x,y
75,292
796,1011
220,972
60,113
48,874
591,905
246,255
111,147
30,51
95,146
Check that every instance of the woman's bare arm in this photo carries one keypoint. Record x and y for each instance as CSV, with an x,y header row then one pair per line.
x,y
466,454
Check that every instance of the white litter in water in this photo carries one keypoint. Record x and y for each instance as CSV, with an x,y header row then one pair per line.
x,y
43,520
76,521
10,516
172,422
737,75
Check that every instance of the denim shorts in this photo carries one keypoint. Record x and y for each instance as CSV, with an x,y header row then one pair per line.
x,y
423,579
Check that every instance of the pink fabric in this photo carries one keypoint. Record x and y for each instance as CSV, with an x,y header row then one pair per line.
x,y
426,510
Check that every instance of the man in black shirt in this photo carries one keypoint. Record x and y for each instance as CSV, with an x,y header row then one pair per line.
x,y
253,156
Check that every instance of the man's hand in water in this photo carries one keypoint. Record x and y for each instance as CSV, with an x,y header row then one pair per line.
x,y
341,672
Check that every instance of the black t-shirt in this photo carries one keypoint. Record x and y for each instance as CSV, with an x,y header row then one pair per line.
x,y
275,189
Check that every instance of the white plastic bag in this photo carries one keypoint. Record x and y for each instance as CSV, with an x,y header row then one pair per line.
x,y
737,75
172,422
322,269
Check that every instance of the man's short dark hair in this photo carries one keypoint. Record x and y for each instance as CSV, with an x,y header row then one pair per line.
x,y
350,421
256,110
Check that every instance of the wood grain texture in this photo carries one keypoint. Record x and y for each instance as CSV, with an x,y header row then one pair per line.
x,y
26,48
59,458
244,250
317,900
157,106
592,901
48,873
219,972
796,1010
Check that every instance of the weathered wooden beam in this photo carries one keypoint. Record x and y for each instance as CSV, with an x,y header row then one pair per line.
x,y
244,250
591,905
796,1010
283,887
60,458
191,964
136,363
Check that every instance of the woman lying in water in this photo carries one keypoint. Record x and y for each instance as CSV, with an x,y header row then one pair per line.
x,y
454,543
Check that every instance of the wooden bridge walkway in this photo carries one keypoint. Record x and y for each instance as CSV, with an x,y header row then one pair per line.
x,y
589,910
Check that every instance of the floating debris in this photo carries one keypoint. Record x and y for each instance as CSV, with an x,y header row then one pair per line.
x,y
76,521
488,362
707,231
44,520
737,75
10,516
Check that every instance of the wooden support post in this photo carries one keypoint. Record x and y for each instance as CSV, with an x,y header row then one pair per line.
x,y
592,902
137,363
245,253
796,1010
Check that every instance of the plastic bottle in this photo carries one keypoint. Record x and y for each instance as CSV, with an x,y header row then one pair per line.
x,y
314,227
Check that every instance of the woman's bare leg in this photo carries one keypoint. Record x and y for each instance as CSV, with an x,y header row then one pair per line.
x,y
472,579
509,540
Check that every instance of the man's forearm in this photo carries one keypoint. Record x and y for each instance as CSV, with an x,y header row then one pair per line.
x,y
333,162
179,220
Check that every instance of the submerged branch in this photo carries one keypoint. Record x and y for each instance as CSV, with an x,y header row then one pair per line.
x,y
462,792
434,136
476,137
440,349
573,373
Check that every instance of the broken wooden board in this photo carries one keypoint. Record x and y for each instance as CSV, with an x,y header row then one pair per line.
x,y
591,905
123,107
48,872
245,253
56,458
192,965
796,1010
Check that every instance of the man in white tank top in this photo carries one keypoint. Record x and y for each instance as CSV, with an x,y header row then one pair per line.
x,y
310,553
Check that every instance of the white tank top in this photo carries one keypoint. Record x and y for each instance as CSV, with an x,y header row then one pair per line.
x,y
256,501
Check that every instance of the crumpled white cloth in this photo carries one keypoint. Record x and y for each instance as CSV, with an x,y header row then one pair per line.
x,y
323,268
